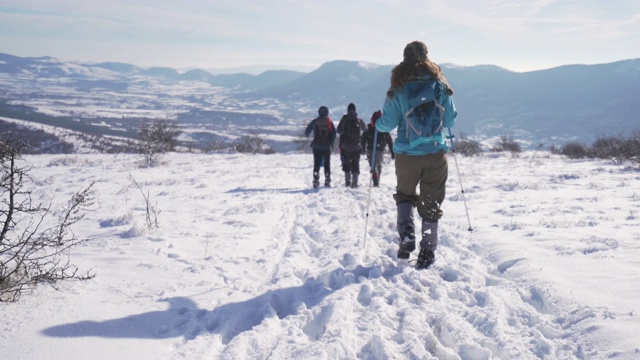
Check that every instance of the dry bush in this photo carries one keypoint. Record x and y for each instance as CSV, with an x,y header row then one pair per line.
x,y
30,252
575,150
507,143
252,144
156,138
467,147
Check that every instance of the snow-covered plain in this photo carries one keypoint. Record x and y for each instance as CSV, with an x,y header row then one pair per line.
x,y
250,263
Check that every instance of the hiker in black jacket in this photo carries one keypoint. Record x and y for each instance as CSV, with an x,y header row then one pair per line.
x,y
350,129
324,135
384,139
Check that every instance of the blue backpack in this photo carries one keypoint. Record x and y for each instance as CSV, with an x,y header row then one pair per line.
x,y
425,115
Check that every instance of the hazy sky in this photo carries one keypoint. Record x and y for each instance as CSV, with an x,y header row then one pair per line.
x,y
518,35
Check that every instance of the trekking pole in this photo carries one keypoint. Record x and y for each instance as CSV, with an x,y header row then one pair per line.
x,y
373,164
455,158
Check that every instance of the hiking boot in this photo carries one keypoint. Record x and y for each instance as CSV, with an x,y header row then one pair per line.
x,y
316,184
354,182
347,179
426,258
327,183
429,234
407,243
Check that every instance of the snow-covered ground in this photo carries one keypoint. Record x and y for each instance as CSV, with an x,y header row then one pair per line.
x,y
250,263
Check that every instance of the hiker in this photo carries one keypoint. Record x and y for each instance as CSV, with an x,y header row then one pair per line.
x,y
350,129
324,135
383,139
424,164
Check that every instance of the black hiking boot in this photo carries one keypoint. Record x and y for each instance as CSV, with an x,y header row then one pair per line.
x,y
316,184
407,243
354,181
327,183
426,258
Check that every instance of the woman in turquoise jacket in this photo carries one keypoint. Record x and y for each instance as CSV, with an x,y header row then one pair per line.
x,y
424,164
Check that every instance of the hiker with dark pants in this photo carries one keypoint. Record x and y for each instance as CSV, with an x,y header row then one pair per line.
x,y
383,140
350,129
423,164
324,135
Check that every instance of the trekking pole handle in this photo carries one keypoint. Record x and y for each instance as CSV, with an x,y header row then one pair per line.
x,y
450,137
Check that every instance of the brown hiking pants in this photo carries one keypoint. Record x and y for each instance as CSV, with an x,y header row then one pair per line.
x,y
430,171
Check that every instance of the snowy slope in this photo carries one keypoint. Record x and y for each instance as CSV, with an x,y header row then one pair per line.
x,y
249,263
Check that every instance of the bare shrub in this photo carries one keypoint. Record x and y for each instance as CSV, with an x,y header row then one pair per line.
x,y
575,150
608,147
467,147
156,138
630,148
217,145
152,212
253,144
615,148
29,253
507,143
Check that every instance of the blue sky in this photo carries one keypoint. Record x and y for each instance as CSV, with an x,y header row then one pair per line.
x,y
517,35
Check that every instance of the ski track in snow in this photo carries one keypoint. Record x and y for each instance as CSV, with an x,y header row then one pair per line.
x,y
249,262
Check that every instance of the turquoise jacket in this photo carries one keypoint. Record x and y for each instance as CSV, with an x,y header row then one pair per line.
x,y
393,116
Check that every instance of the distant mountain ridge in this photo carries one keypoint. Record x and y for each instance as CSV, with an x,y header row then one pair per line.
x,y
50,67
578,102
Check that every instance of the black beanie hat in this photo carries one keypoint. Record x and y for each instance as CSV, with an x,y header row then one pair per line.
x,y
351,107
323,111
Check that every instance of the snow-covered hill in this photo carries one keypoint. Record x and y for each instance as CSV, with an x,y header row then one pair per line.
x,y
552,106
250,263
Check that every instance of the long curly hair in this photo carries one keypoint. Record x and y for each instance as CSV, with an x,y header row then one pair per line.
x,y
416,64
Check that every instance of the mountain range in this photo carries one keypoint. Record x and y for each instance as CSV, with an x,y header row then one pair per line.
x,y
571,102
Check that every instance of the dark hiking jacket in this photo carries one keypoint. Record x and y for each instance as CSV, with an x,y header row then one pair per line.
x,y
321,141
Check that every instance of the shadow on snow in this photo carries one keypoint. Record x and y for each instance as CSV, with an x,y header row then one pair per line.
x,y
185,319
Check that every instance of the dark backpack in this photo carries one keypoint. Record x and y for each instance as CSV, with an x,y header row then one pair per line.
x,y
322,131
425,115
383,138
351,131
